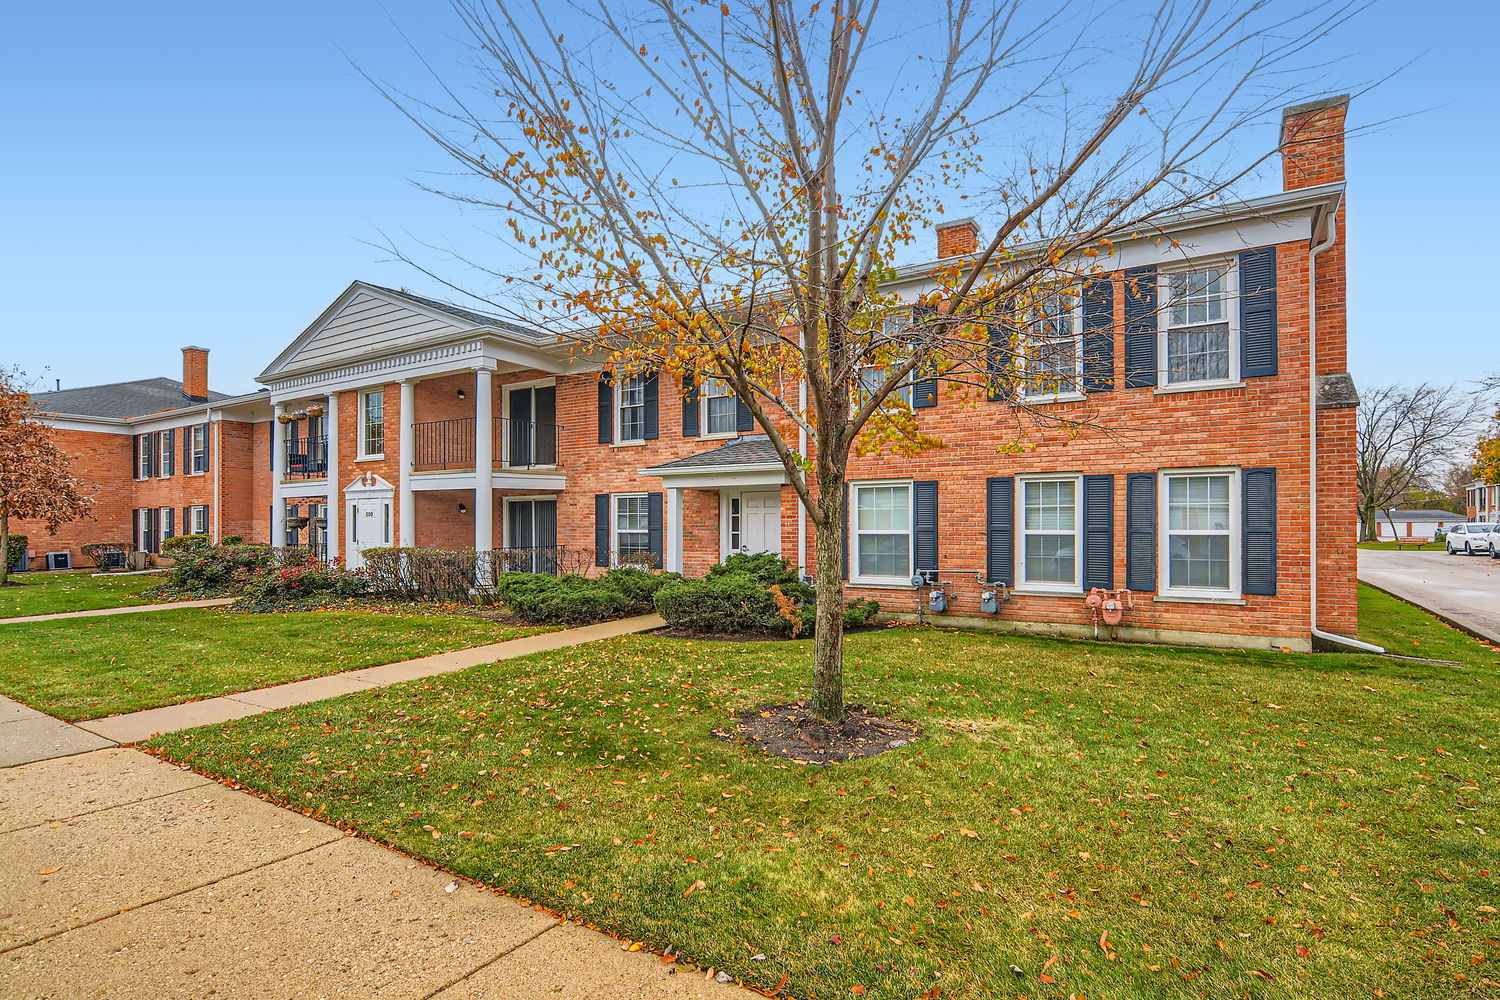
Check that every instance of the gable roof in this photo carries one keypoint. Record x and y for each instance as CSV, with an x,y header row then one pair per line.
x,y
121,399
743,451
370,320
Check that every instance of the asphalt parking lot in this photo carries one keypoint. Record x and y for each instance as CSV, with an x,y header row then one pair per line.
x,y
1464,589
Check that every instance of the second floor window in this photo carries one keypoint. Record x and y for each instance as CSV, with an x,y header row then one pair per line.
x,y
198,448
166,448
372,423
1198,341
720,415
1053,349
633,408
143,456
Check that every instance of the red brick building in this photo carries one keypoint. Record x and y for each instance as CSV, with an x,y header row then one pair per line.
x,y
1222,496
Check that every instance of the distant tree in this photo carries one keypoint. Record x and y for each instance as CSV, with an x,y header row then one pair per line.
x,y
1406,438
722,191
1486,464
36,478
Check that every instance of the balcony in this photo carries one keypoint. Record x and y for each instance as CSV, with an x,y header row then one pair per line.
x,y
306,458
448,445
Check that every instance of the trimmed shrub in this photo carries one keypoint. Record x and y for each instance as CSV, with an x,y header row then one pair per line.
x,y
300,586
421,574
98,553
232,540
15,548
745,594
172,546
580,600
214,570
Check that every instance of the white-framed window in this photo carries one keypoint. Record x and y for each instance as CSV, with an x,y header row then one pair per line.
x,y
198,517
630,409
1200,538
372,424
880,532
870,380
289,533
1052,349
166,453
196,460
143,456
145,541
720,411
735,523
1199,340
632,529
168,520
1050,556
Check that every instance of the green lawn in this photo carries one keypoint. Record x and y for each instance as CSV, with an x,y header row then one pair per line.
x,y
51,593
1115,821
84,668
1409,631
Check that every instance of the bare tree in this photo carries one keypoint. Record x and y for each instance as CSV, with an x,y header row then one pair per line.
x,y
1407,437
723,191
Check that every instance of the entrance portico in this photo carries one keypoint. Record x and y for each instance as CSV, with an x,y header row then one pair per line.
x,y
748,478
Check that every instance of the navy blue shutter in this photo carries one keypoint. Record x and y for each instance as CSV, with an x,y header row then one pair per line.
x,y
655,528
689,405
187,521
1258,516
924,390
846,531
153,457
744,420
187,451
208,451
1099,334
606,410
601,529
1140,327
925,525
1099,532
997,364
1258,313
1000,530
1140,531
153,544
651,394
135,460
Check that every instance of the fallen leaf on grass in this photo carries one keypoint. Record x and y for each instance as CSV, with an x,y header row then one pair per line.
x,y
49,871
700,884
858,991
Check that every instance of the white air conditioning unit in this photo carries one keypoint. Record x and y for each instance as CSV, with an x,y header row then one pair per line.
x,y
59,560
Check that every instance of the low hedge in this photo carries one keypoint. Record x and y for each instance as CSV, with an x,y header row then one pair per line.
x,y
98,553
581,600
756,595
214,570
174,545
15,548
421,574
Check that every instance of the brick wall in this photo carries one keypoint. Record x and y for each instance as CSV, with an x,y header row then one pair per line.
x,y
102,461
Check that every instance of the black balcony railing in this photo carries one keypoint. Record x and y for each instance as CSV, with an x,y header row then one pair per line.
x,y
526,444
444,444
306,458
518,444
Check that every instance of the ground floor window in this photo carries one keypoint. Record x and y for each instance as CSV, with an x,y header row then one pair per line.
x,y
1200,553
167,523
197,520
881,532
1050,554
632,526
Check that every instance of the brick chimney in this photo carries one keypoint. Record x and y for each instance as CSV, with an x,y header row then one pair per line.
x,y
956,238
195,372
1312,143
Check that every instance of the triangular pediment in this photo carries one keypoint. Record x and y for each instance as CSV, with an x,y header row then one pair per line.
x,y
364,321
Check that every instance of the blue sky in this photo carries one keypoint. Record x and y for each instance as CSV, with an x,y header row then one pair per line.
x,y
181,173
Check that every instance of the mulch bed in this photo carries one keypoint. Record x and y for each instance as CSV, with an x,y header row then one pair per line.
x,y
793,732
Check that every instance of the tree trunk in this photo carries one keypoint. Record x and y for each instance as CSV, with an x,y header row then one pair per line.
x,y
4,544
828,640
1372,531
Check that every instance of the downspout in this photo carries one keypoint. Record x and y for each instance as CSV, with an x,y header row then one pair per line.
x,y
215,454
1312,441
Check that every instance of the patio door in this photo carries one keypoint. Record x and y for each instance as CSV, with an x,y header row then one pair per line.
x,y
531,536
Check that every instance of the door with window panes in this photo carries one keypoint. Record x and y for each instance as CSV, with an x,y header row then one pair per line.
x,y
531,536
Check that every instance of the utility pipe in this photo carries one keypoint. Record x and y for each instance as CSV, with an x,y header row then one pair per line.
x,y
1312,437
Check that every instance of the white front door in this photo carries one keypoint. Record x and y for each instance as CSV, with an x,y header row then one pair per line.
x,y
369,527
754,523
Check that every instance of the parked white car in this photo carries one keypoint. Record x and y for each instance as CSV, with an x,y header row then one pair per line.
x,y
1473,538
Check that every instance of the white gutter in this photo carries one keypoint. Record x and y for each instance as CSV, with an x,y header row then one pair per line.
x,y
1312,439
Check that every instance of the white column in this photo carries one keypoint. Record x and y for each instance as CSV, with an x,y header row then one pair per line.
x,y
484,468
406,529
335,498
278,467
674,531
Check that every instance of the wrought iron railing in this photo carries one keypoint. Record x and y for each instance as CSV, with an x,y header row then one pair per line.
x,y
306,458
526,444
444,444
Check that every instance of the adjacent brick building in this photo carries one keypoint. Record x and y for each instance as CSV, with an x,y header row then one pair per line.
x,y
1220,492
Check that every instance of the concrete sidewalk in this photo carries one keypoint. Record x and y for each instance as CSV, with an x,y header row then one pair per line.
x,y
123,877
139,726
27,735
137,609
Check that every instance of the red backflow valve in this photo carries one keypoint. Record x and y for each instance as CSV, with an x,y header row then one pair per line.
x,y
1108,606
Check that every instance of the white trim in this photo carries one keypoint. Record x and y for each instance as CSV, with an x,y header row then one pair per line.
x,y
1229,284
1063,393
1235,590
855,576
704,434
1049,587
617,401
614,523
360,455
